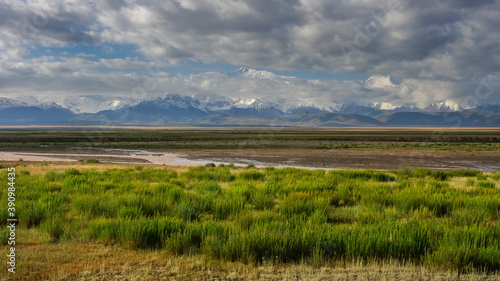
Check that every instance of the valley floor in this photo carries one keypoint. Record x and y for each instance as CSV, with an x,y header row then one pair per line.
x,y
278,157
354,158
327,148
78,200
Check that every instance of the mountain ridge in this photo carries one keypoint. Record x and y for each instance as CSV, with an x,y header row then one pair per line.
x,y
214,102
215,110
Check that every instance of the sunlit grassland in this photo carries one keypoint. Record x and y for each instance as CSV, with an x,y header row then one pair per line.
x,y
446,220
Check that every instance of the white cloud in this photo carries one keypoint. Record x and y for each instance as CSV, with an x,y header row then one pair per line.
x,y
85,55
379,82
438,50
79,76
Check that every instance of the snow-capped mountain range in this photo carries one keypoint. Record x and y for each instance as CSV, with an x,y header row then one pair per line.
x,y
213,103
251,109
216,110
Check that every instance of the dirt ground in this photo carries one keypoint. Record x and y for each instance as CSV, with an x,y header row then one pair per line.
x,y
358,159
308,158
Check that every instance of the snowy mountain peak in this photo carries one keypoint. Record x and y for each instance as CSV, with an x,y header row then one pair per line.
x,y
7,103
210,98
78,104
217,103
384,106
92,104
116,103
445,106
253,73
36,102
298,104
171,100
211,102
249,103
408,107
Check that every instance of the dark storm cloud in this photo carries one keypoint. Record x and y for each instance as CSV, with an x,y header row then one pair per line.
x,y
278,34
42,24
428,42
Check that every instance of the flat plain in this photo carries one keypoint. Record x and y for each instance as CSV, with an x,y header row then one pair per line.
x,y
356,220
373,148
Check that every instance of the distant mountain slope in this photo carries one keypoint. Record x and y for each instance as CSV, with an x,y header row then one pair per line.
x,y
332,119
448,119
31,115
158,112
216,110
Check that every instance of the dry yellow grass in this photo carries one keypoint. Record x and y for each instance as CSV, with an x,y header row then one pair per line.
x,y
44,167
38,259
460,183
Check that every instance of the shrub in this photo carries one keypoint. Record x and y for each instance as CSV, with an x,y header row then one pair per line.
x,y
300,203
465,173
252,175
470,182
203,173
174,194
485,184
72,172
53,176
137,233
212,187
56,228
405,172
382,177
421,173
223,207
261,201
24,173
185,241
32,215
369,216
496,177
188,210
129,212
4,235
441,205
440,175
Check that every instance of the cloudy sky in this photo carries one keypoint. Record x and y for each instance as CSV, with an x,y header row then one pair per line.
x,y
340,50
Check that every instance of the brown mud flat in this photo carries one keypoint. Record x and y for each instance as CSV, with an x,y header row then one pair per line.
x,y
310,158
383,159
356,159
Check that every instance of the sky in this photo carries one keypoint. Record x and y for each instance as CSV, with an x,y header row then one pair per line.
x,y
396,51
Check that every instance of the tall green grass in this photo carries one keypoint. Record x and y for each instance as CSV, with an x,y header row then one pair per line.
x,y
285,215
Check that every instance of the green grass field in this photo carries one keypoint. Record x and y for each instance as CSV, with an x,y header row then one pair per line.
x,y
447,220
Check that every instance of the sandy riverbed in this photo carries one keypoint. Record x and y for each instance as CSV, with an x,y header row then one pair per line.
x,y
302,158
355,158
171,159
